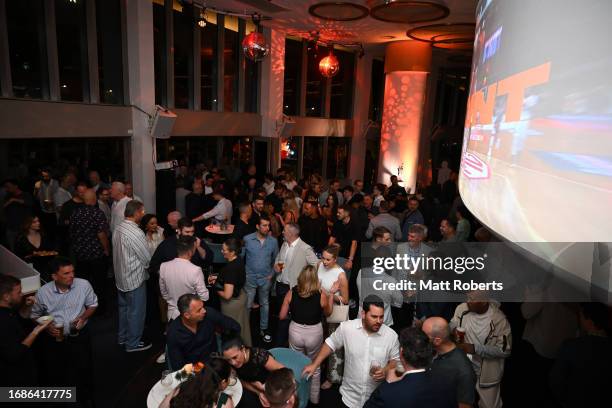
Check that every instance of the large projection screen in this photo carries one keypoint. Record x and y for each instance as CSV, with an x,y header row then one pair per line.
x,y
537,152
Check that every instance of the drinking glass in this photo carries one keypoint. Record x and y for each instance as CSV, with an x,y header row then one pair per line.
x,y
375,365
460,333
59,325
166,378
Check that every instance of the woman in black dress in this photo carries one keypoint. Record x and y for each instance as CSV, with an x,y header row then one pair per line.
x,y
33,245
252,367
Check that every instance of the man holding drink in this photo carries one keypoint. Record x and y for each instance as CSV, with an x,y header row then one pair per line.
x,y
371,349
483,332
71,301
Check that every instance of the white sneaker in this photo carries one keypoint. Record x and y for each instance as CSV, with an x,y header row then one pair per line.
x,y
161,359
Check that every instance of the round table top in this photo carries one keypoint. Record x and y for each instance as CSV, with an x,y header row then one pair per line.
x,y
216,229
159,392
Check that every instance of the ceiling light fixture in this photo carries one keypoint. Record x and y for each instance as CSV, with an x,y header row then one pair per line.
x,y
338,11
201,21
407,11
329,66
254,45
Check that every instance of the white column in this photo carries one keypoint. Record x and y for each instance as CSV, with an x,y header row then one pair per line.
x,y
272,88
361,108
141,77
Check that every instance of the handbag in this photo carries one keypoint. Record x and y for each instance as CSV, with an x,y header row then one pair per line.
x,y
339,314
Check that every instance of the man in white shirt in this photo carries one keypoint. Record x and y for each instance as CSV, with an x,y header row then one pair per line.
x,y
221,212
180,276
370,349
120,201
63,193
294,255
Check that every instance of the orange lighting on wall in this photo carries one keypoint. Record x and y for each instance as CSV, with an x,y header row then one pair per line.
x,y
401,126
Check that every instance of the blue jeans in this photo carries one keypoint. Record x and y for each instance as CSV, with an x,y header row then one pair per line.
x,y
263,286
132,312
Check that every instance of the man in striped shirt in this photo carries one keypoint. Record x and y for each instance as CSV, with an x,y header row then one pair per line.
x,y
130,260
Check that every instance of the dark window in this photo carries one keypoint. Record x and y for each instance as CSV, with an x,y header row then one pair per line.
x,y
378,90
208,58
251,85
71,49
26,49
315,82
104,154
159,53
230,61
313,156
293,68
236,154
183,56
337,157
110,45
341,106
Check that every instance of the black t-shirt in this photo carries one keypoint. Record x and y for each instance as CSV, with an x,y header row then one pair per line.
x,y
345,234
17,361
457,370
242,228
194,205
313,231
255,369
235,274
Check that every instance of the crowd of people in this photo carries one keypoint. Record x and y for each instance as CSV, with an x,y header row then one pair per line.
x,y
293,259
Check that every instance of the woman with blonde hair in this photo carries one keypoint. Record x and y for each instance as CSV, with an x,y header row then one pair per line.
x,y
307,303
334,280
291,211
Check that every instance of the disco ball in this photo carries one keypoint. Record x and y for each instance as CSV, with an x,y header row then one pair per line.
x,y
329,66
254,46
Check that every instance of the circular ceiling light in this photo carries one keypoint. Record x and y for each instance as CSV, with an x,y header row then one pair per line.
x,y
456,36
338,11
407,12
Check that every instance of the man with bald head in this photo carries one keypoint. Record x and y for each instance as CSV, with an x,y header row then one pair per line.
x,y
450,362
90,244
120,198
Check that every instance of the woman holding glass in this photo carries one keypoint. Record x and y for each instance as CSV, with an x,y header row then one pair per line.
x,y
230,287
333,279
